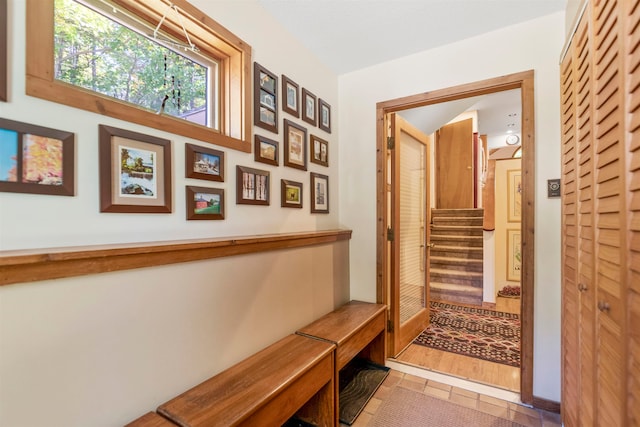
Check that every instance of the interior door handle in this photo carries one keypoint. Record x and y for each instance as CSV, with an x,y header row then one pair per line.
x,y
431,245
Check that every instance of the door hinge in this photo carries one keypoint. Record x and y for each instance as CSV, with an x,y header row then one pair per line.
x,y
389,326
390,235
391,142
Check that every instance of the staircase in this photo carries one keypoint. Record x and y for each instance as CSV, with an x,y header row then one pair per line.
x,y
456,257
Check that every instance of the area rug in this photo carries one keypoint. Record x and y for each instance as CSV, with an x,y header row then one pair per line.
x,y
475,332
408,408
358,381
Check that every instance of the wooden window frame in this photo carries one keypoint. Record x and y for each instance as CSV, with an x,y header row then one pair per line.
x,y
212,39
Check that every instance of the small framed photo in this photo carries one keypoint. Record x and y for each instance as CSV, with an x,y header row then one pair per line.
x,y
3,51
319,193
204,203
295,145
203,163
135,172
291,194
265,150
291,96
514,255
252,186
324,120
309,113
36,159
319,151
265,98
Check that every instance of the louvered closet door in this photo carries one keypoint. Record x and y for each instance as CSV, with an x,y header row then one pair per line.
x,y
583,57
610,216
632,30
570,337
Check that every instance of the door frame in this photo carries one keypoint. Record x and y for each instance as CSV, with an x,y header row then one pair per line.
x,y
525,82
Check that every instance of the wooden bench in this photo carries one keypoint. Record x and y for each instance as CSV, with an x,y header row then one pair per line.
x,y
294,376
151,419
357,329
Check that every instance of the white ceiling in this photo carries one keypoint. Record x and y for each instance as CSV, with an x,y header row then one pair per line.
x,y
348,35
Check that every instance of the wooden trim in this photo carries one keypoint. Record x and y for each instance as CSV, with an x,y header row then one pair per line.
x,y
45,264
547,405
524,82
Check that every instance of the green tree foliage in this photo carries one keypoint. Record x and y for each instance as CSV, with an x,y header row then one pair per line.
x,y
99,54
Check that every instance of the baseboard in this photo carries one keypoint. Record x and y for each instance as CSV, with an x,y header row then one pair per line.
x,y
547,405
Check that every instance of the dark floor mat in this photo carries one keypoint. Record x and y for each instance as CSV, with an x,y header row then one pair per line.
x,y
358,382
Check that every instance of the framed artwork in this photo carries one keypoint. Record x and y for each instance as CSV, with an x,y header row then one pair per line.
x,y
265,150
291,196
295,145
204,203
514,255
291,96
203,163
309,113
3,51
135,172
324,119
514,195
252,186
319,193
265,101
319,151
36,159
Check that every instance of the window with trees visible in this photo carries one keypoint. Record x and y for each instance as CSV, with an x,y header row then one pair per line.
x,y
164,65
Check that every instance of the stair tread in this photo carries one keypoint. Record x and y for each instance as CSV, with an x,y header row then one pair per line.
x,y
473,248
456,259
456,288
455,237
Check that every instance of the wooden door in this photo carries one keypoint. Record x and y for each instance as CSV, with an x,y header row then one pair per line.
x,y
454,166
409,297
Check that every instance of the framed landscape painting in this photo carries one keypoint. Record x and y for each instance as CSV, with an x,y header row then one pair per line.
x,y
135,172
36,159
291,196
252,186
266,150
204,203
203,163
295,145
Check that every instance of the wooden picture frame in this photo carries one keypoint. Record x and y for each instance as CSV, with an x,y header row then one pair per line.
x,y
266,150
203,163
204,203
135,172
319,151
514,255
4,92
309,109
291,194
252,186
265,98
36,159
295,145
290,96
324,116
514,195
319,193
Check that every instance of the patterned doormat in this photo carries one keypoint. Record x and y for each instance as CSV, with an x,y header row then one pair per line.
x,y
475,332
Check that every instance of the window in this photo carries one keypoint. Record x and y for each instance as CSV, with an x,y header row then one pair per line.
x,y
159,64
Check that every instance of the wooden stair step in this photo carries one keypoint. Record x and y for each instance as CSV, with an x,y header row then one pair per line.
x,y
456,230
473,212
457,251
455,263
471,241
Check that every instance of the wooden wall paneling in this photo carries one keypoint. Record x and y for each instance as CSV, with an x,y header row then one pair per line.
x,y
632,49
610,208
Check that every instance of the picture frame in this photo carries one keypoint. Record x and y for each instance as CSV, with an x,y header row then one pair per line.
x,y
204,203
295,145
324,115
291,194
514,195
4,95
309,110
203,163
266,150
290,97
319,150
319,193
36,159
265,103
135,172
514,255
252,186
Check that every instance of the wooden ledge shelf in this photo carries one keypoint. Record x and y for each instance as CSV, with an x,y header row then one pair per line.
x,y
44,264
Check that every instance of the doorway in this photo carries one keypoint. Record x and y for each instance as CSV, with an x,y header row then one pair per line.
x,y
385,283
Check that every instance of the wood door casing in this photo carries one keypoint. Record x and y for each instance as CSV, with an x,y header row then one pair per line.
x,y
454,165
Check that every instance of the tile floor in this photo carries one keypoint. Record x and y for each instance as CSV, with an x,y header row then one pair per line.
x,y
499,403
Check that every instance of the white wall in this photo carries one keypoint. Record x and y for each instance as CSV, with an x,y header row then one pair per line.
x,y
533,45
104,349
